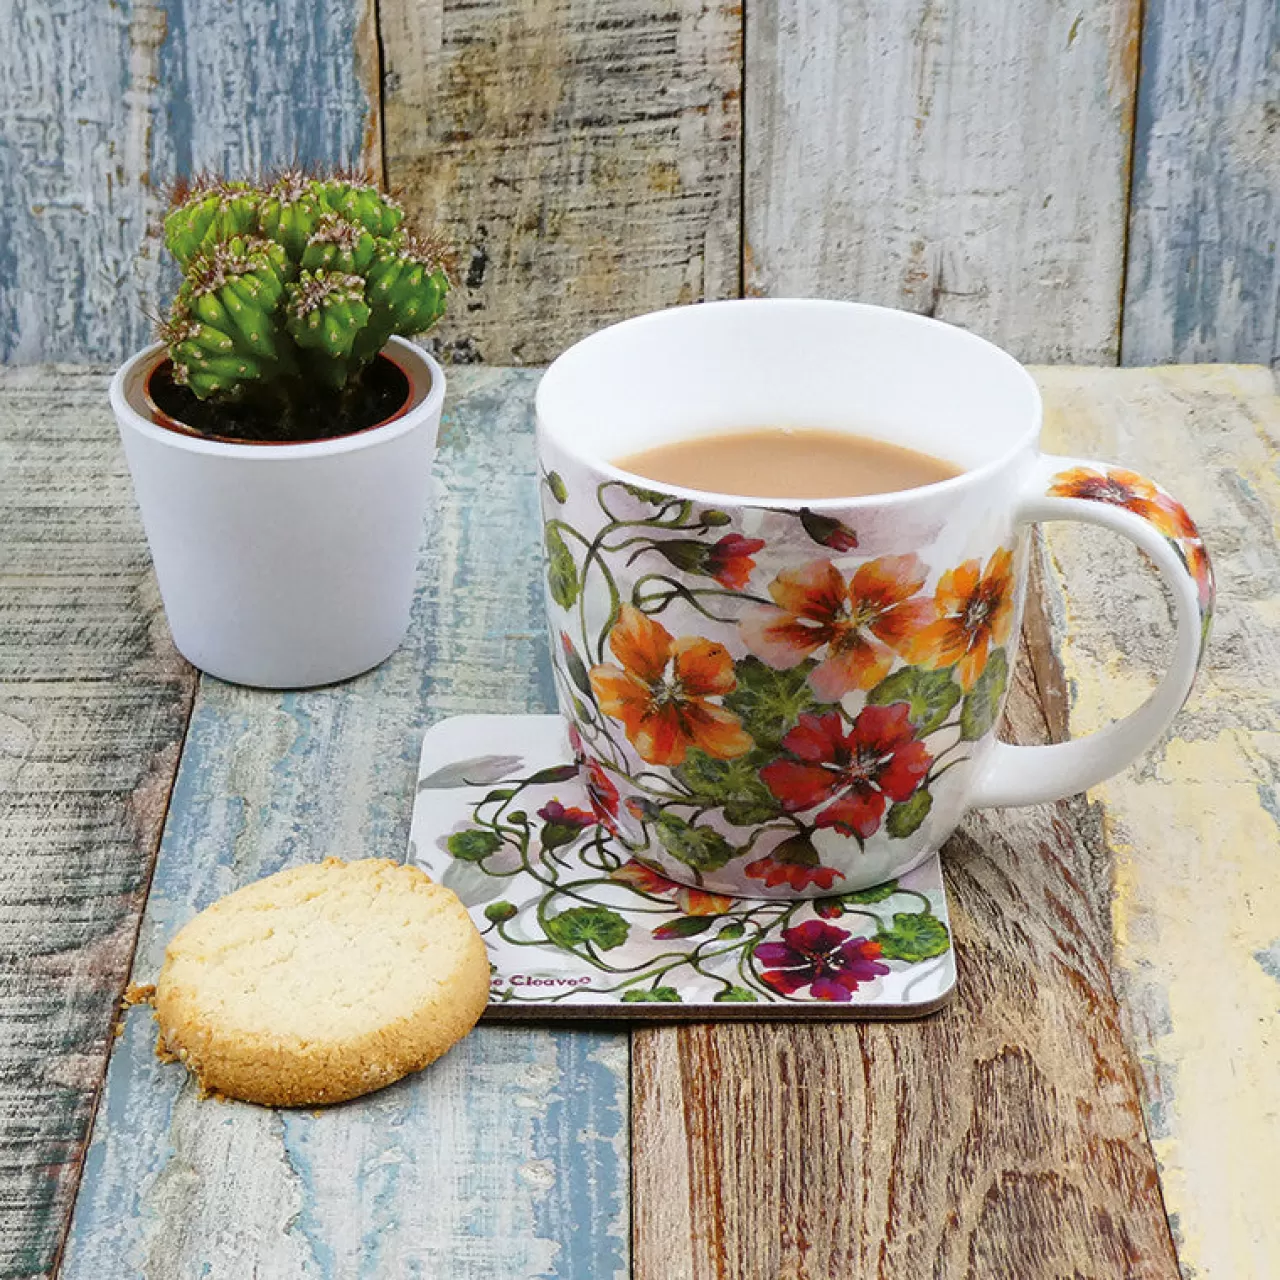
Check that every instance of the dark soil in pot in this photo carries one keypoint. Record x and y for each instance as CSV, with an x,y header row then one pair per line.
x,y
290,413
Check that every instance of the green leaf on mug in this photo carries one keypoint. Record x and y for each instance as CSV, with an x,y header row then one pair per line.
x,y
914,937
474,845
579,925
735,995
562,573
697,847
555,773
577,668
651,496
656,995
796,851
873,893
929,696
555,835
734,930
982,702
555,482
733,785
906,816
770,702
684,927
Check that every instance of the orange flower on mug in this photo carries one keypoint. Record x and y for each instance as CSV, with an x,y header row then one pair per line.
x,y
975,612
693,902
1127,489
662,692
861,623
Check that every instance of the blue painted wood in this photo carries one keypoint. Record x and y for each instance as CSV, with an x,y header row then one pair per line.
x,y
102,105
93,706
1203,280
508,1157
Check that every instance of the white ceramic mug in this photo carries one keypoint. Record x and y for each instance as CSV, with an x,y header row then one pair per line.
x,y
285,565
778,699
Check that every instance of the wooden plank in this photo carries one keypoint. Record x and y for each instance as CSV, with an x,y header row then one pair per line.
x,y
959,158
1194,831
999,1137
101,106
93,705
1204,222
509,1157
583,157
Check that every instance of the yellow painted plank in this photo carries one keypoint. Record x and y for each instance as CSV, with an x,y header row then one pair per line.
x,y
1194,827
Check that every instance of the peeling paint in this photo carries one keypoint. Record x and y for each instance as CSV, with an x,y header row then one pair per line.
x,y
1192,828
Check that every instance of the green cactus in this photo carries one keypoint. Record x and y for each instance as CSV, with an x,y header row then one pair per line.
x,y
291,286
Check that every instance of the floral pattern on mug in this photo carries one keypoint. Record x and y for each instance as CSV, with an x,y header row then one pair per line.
x,y
738,705
1143,497
663,695
853,772
860,624
975,613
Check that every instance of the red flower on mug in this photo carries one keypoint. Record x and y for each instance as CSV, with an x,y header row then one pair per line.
x,y
799,876
975,612
729,562
794,862
828,960
859,772
861,622
693,902
663,692
602,794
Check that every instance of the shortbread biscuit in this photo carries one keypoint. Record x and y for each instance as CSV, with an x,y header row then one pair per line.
x,y
321,983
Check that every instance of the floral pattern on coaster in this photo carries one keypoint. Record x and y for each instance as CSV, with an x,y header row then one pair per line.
x,y
577,926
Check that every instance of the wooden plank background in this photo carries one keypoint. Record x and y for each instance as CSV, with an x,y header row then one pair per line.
x,y
964,159
1193,831
1016,168
583,157
94,703
1204,273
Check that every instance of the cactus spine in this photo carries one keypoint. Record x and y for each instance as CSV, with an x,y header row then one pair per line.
x,y
291,287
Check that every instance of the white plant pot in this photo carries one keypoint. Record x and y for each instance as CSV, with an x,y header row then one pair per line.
x,y
285,565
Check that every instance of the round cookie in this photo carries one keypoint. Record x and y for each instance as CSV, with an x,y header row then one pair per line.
x,y
321,983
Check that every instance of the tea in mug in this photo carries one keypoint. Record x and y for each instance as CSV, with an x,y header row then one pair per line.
x,y
787,462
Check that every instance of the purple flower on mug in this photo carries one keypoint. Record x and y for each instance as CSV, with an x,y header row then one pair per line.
x,y
827,960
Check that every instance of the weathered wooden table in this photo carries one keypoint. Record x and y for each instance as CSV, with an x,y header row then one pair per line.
x,y
1099,1100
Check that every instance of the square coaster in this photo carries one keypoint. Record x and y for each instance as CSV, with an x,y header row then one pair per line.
x,y
577,928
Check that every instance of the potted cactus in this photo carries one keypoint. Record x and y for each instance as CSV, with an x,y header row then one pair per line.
x,y
281,432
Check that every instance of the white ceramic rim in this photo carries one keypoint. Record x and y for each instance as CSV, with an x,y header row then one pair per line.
x,y
1027,441
412,417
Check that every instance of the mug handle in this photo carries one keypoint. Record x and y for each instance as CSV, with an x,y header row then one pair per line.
x,y
1107,495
